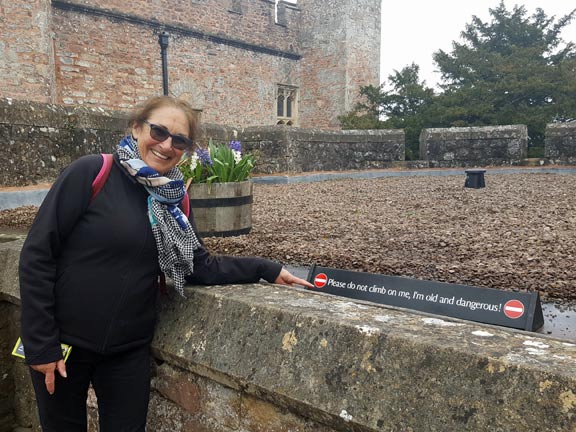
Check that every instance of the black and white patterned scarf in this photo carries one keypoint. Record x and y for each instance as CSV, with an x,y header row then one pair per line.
x,y
175,238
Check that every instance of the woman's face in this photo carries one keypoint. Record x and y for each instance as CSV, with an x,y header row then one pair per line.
x,y
160,155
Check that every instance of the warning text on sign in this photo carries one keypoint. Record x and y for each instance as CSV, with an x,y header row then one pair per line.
x,y
418,296
512,309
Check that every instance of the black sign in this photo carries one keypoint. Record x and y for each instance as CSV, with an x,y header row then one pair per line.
x,y
485,305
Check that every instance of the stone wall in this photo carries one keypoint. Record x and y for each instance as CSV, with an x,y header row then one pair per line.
x,y
290,150
474,146
213,55
248,21
226,57
560,143
26,50
336,35
106,53
7,388
17,405
42,139
304,361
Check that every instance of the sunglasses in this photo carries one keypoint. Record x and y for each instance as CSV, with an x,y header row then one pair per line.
x,y
160,133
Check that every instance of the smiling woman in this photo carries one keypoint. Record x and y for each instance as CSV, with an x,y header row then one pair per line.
x,y
161,155
93,282
164,129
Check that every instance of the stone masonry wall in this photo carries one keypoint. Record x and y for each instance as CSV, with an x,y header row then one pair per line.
x,y
251,21
260,357
107,54
26,51
17,403
289,150
40,139
7,390
43,139
115,65
560,143
336,36
476,146
226,57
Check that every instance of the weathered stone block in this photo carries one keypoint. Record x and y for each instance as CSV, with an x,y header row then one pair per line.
x,y
560,142
195,402
169,417
474,145
350,365
44,138
305,150
25,410
9,282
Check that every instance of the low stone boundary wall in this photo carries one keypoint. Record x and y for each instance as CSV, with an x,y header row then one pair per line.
x,y
292,150
42,139
560,145
263,357
474,146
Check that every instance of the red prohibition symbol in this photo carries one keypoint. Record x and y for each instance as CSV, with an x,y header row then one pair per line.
x,y
514,309
320,280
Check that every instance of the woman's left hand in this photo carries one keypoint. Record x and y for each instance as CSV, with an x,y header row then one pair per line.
x,y
287,278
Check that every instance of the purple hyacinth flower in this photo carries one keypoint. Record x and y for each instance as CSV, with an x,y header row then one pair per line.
x,y
204,156
236,146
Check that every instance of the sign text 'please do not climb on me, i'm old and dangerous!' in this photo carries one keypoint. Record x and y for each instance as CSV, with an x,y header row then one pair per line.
x,y
486,305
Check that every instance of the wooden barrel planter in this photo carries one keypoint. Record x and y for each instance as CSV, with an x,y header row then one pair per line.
x,y
222,209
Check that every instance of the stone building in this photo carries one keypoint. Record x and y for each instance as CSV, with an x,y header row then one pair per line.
x,y
239,62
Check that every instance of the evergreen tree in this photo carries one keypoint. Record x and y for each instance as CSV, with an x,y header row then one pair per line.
x,y
512,70
400,103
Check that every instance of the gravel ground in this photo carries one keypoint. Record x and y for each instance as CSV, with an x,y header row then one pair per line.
x,y
515,234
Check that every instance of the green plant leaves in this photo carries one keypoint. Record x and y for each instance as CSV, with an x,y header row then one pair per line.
x,y
221,164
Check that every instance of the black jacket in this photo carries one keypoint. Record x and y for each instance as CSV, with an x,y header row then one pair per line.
x,y
88,271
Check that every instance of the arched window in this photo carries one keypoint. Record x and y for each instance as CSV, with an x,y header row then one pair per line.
x,y
289,101
280,106
286,105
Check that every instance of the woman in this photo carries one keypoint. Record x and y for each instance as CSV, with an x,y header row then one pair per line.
x,y
89,271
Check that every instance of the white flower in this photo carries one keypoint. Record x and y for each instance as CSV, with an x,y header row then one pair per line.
x,y
237,156
193,161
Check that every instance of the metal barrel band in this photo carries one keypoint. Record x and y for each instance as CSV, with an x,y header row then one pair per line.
x,y
221,202
229,233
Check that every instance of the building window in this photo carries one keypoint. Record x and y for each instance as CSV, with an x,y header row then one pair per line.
x,y
286,105
280,108
280,11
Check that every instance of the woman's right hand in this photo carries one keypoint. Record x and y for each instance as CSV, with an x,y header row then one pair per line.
x,y
48,370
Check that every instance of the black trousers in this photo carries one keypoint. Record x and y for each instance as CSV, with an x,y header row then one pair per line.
x,y
121,383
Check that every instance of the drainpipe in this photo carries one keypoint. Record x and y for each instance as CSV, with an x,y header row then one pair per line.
x,y
163,39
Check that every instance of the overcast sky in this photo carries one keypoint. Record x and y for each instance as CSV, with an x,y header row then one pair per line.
x,y
412,30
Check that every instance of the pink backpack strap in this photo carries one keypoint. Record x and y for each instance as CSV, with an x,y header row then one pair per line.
x,y
186,205
102,176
